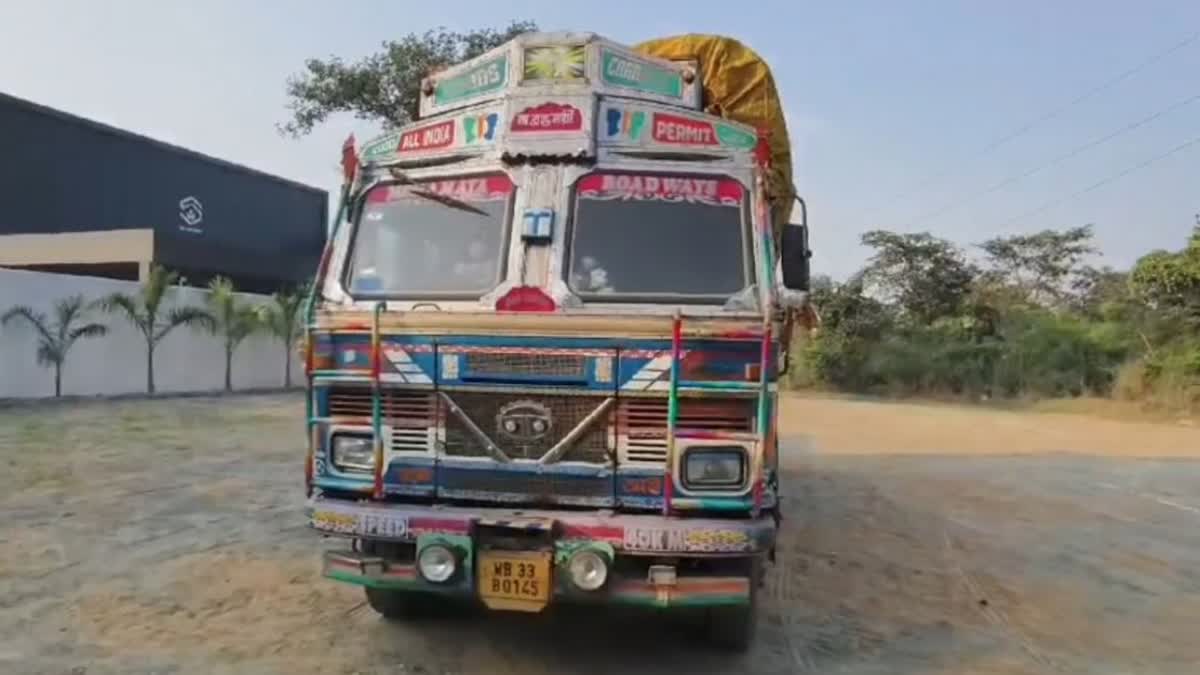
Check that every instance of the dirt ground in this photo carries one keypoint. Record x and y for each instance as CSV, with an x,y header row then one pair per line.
x,y
168,537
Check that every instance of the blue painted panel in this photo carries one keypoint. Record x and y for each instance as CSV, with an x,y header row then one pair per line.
x,y
412,476
528,483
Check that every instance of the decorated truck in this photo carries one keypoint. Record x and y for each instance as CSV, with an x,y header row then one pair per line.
x,y
546,333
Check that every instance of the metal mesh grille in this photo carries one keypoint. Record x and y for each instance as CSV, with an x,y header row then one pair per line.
x,y
553,365
565,413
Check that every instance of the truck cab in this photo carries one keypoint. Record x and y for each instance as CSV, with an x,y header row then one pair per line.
x,y
544,343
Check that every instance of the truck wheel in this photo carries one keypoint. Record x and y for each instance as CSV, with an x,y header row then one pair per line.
x,y
396,605
733,628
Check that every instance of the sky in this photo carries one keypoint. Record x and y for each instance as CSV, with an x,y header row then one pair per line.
x,y
911,116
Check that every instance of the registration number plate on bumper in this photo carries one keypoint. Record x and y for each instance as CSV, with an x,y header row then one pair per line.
x,y
514,580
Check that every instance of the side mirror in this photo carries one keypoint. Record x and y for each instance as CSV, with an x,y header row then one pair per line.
x,y
795,254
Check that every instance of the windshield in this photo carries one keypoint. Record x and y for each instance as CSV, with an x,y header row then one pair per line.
x,y
647,235
431,238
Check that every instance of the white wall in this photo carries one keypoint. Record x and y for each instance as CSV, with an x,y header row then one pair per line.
x,y
186,360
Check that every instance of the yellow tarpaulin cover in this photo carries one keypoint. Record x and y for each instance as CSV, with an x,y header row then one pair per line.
x,y
737,85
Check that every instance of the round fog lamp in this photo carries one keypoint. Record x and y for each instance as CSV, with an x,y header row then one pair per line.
x,y
437,563
588,570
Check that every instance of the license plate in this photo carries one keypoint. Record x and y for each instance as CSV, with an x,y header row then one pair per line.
x,y
515,580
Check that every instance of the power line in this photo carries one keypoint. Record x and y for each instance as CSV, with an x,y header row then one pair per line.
x,y
1057,160
1101,183
1025,128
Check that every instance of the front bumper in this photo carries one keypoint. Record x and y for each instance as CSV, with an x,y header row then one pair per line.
x,y
705,552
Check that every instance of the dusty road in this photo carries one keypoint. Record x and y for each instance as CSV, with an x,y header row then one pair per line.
x,y
167,537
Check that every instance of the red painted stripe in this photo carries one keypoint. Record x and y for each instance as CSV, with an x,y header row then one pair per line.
x,y
608,533
438,526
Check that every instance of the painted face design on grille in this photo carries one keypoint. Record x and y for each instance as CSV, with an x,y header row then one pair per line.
x,y
524,421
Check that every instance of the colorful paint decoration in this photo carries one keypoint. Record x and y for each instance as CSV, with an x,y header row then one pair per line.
x,y
480,128
677,130
624,124
639,75
484,78
713,191
548,117
554,63
431,137
367,524
474,189
678,540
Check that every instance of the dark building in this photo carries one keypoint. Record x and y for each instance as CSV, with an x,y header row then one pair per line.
x,y
80,197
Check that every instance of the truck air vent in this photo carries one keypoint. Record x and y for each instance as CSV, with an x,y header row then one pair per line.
x,y
642,424
500,365
407,408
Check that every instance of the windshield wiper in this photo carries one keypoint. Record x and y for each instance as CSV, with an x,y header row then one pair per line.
x,y
446,200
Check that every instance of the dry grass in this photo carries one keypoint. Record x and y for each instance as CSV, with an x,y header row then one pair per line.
x,y
843,425
57,446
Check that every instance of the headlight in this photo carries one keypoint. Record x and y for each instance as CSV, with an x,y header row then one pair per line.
x,y
714,468
353,453
437,563
588,570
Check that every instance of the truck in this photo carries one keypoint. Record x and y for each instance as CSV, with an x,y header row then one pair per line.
x,y
545,338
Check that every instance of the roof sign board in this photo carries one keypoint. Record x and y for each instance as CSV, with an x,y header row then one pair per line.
x,y
627,124
434,136
473,132
487,76
382,148
641,75
548,117
557,126
563,64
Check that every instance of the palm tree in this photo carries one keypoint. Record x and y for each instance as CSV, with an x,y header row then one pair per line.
x,y
54,341
233,319
282,318
142,309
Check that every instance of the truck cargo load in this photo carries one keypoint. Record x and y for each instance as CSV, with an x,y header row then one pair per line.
x,y
737,84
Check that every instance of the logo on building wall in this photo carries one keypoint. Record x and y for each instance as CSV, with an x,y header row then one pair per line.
x,y
191,212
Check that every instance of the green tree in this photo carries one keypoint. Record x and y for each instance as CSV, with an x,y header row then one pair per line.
x,y
56,339
926,277
146,311
1170,282
232,319
386,86
1040,266
282,318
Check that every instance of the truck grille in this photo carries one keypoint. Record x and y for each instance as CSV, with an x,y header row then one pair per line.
x,y
564,413
403,407
642,424
487,364
410,414
534,486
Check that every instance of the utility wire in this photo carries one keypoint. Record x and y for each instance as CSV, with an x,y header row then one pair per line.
x,y
1101,183
1057,160
1025,128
